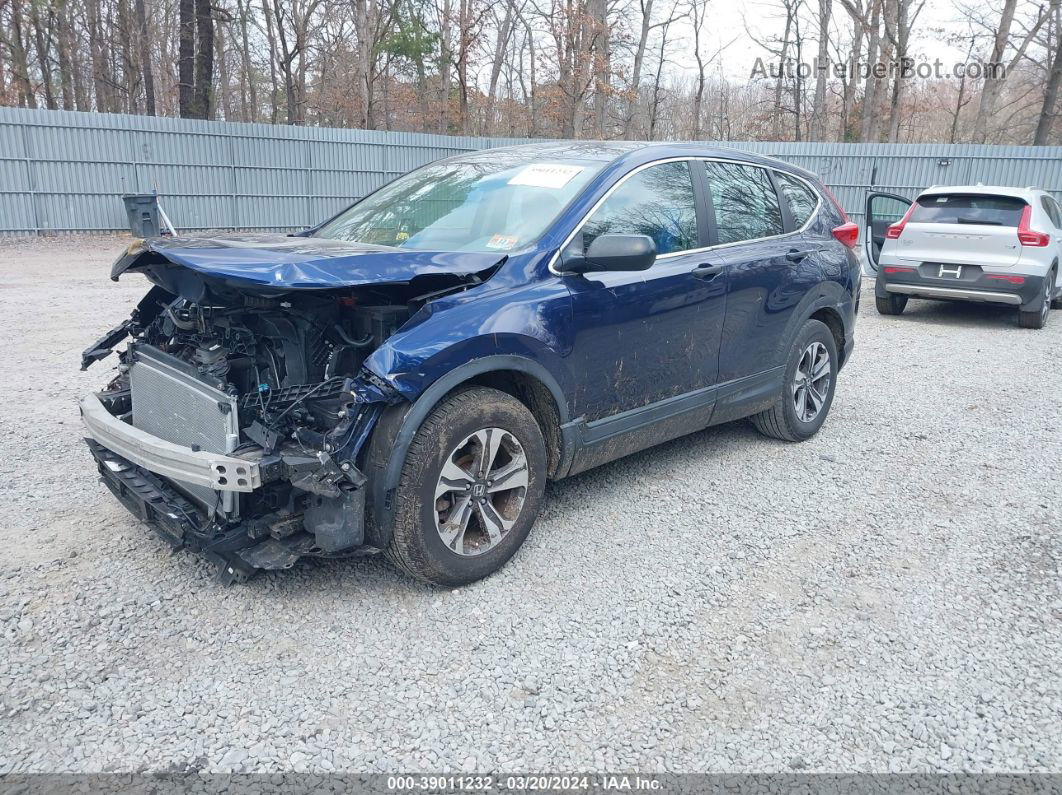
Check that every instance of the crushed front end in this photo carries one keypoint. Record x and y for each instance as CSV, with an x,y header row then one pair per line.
x,y
238,412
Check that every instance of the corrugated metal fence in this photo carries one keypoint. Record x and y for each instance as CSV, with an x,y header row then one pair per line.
x,y
63,171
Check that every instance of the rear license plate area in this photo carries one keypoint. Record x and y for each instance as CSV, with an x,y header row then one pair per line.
x,y
949,272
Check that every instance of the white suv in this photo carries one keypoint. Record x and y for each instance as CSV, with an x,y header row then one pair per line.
x,y
967,243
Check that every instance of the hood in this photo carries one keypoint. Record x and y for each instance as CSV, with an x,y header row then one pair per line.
x,y
281,261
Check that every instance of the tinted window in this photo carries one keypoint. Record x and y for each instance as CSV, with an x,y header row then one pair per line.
x,y
802,201
746,206
1052,211
956,208
658,202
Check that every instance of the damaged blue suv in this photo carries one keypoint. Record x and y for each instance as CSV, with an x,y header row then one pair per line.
x,y
405,377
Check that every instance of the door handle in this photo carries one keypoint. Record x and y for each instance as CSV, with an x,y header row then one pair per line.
x,y
707,271
796,255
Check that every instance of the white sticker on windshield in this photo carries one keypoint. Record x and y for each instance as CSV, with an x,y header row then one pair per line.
x,y
546,175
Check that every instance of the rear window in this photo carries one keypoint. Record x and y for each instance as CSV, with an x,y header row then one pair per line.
x,y
955,208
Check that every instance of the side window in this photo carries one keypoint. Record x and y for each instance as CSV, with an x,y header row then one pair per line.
x,y
658,202
746,206
802,201
1058,211
1051,208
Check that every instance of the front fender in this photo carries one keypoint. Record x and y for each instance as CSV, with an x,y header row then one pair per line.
x,y
395,430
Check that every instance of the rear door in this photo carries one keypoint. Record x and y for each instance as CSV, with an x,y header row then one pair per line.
x,y
962,229
883,210
764,265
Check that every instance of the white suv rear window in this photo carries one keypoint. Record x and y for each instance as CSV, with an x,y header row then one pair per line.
x,y
957,208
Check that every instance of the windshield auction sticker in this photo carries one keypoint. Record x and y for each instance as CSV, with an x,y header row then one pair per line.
x,y
503,242
546,175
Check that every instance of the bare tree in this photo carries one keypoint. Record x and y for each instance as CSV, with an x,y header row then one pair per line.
x,y
1054,78
144,46
993,86
822,61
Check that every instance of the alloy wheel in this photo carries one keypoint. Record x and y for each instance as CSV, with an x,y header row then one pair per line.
x,y
811,382
480,491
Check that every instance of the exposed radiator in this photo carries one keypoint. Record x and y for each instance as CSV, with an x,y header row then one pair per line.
x,y
171,402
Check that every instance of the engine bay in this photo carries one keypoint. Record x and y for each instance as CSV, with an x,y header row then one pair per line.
x,y
288,364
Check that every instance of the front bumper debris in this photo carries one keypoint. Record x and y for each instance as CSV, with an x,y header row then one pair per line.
x,y
198,468
238,549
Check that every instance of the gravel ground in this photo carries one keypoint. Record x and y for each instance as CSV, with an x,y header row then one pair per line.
x,y
884,597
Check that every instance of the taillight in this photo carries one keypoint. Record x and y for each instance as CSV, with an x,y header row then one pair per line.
x,y
847,234
1027,236
896,229
1006,277
897,269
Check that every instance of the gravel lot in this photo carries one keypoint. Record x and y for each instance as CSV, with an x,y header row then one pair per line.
x,y
884,597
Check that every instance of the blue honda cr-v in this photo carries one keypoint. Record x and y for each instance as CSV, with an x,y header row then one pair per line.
x,y
406,376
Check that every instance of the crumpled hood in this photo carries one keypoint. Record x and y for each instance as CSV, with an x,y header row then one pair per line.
x,y
273,260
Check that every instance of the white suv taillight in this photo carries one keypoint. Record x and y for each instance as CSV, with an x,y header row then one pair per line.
x,y
896,229
1030,237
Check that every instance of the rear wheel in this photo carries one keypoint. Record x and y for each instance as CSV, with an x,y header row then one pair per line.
x,y
892,304
807,392
1037,316
471,488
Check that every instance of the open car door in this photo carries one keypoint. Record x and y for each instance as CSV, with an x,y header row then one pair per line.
x,y
883,210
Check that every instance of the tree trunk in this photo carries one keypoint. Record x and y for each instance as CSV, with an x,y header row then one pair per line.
x,y
19,60
130,71
364,62
500,46
639,59
445,62
250,109
698,95
223,106
204,60
779,83
145,57
602,56
186,60
42,41
845,133
1054,80
464,47
64,50
902,32
818,110
870,93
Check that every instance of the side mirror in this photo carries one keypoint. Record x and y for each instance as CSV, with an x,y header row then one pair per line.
x,y
613,253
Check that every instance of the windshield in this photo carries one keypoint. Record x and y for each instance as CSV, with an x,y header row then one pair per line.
x,y
473,206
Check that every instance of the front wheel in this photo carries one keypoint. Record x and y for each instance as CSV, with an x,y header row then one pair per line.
x,y
471,488
807,391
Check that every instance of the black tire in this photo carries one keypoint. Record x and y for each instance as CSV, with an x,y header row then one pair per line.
x,y
892,304
416,546
1037,316
780,421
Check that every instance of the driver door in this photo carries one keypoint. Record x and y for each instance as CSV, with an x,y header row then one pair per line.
x,y
883,210
645,352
